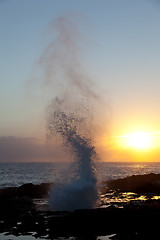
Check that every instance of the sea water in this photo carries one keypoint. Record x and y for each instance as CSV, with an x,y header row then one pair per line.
x,y
16,174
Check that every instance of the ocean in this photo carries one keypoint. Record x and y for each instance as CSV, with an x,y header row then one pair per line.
x,y
17,174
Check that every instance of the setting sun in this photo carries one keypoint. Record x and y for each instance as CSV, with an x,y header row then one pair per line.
x,y
140,140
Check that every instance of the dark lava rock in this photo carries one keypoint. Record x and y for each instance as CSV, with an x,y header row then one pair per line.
x,y
129,223
14,205
34,191
149,183
17,200
27,190
134,221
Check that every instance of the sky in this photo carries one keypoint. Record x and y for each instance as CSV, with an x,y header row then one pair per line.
x,y
117,44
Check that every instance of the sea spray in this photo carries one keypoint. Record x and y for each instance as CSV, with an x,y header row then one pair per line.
x,y
72,121
80,189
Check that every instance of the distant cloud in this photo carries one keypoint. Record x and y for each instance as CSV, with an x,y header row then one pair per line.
x,y
13,149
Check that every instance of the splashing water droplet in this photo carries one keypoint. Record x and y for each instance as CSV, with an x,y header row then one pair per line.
x,y
80,191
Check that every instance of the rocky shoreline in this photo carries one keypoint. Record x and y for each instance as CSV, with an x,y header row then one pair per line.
x,y
129,208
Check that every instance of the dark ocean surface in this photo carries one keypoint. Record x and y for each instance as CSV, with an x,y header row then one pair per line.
x,y
16,174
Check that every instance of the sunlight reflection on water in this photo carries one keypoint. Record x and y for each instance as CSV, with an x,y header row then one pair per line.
x,y
16,174
114,197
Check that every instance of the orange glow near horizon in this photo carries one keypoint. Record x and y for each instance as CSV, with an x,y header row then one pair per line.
x,y
135,145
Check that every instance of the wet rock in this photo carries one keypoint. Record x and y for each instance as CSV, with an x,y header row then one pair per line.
x,y
135,221
27,190
17,200
149,183
34,191
14,205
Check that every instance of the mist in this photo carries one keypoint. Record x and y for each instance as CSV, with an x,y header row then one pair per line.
x,y
60,61
73,116
63,75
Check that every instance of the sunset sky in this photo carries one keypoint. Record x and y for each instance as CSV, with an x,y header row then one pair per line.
x,y
118,47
